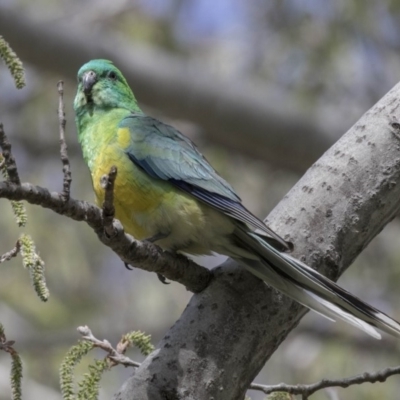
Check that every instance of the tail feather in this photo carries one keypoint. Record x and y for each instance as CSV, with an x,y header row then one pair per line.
x,y
359,307
310,288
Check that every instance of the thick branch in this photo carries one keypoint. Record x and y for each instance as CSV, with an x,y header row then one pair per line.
x,y
143,255
248,116
228,331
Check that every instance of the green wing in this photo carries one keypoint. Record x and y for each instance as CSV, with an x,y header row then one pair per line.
x,y
164,153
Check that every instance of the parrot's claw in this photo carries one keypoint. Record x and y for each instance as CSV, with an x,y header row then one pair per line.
x,y
128,267
162,279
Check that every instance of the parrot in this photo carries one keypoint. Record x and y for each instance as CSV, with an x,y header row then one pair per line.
x,y
168,193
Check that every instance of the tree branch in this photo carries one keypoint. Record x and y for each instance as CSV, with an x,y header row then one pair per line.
x,y
307,390
231,328
63,144
114,355
142,255
11,253
227,332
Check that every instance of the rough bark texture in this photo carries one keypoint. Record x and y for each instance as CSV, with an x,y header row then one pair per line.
x,y
228,331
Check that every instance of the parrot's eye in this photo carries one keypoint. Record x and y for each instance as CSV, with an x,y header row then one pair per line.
x,y
112,75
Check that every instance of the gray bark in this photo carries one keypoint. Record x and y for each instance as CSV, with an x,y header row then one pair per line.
x,y
228,331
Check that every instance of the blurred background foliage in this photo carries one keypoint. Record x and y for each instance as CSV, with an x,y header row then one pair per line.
x,y
329,60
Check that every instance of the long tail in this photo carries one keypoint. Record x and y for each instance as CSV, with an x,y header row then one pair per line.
x,y
310,288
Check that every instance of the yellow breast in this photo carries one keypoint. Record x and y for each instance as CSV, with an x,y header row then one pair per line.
x,y
136,197
148,206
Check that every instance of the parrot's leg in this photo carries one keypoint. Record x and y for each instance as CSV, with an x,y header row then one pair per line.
x,y
153,239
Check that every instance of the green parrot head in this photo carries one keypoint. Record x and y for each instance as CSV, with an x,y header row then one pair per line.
x,y
101,87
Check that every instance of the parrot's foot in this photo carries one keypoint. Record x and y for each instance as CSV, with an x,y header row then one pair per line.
x,y
162,279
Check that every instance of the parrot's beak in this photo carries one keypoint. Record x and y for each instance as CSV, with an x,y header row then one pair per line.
x,y
88,80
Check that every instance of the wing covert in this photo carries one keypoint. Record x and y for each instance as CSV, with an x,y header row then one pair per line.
x,y
164,153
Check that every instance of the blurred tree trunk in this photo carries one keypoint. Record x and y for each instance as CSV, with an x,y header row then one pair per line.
x,y
228,332
244,116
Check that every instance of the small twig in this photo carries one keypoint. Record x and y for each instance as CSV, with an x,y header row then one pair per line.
x,y
3,339
307,390
18,208
9,159
63,144
10,254
6,345
124,360
122,346
113,354
32,262
107,183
